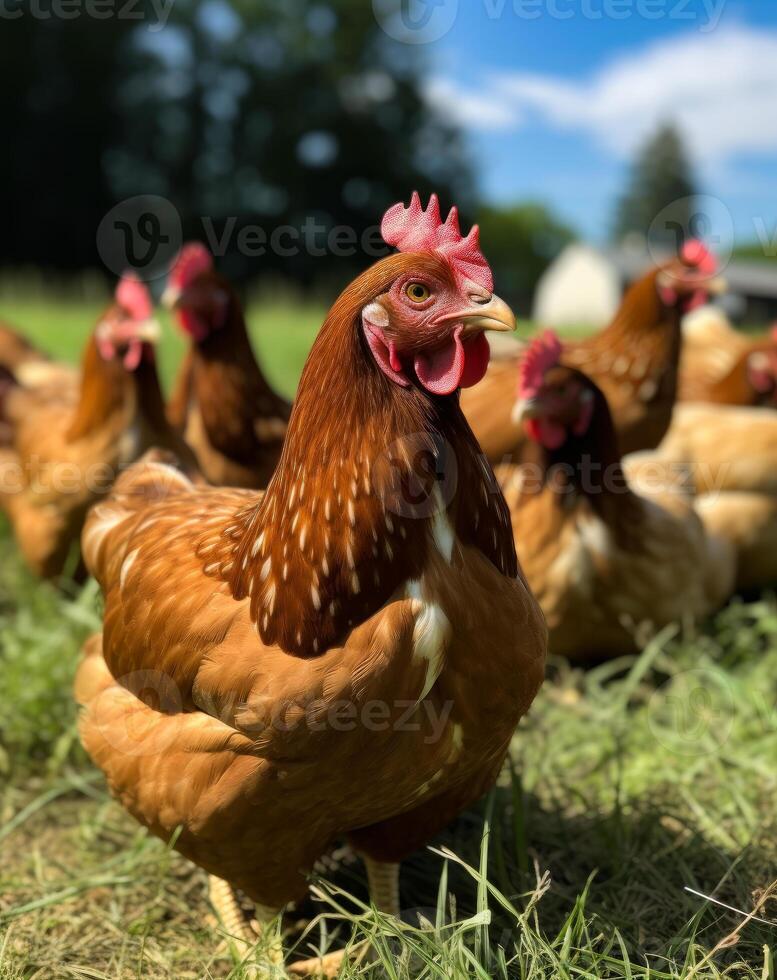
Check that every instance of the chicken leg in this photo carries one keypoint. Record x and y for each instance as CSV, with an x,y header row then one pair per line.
x,y
240,932
383,881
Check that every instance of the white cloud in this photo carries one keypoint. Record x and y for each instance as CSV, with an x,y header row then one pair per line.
x,y
469,109
720,87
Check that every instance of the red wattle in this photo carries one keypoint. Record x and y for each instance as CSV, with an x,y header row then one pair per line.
x,y
193,325
455,365
440,371
385,353
134,355
477,354
551,435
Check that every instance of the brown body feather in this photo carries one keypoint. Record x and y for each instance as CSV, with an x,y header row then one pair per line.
x,y
339,589
726,447
734,386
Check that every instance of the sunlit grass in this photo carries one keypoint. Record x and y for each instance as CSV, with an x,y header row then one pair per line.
x,y
627,785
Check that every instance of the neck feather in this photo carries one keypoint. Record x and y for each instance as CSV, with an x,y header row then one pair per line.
x,y
587,470
231,390
104,389
368,470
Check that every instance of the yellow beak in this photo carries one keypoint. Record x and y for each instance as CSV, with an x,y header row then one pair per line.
x,y
491,313
171,297
149,331
526,408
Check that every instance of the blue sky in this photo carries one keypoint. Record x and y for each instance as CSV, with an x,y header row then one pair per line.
x,y
554,106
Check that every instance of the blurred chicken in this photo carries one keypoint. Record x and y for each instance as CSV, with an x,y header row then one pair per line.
x,y
633,361
28,364
229,414
726,447
609,566
68,443
237,622
749,522
719,364
731,453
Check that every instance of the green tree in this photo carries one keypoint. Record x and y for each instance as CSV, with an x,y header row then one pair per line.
x,y
276,113
661,184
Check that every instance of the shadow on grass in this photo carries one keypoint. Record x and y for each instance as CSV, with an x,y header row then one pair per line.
x,y
625,873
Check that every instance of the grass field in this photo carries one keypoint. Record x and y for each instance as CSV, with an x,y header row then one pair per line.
x,y
628,785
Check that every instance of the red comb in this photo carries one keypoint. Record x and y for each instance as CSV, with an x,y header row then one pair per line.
x,y
192,261
696,254
414,230
542,353
132,295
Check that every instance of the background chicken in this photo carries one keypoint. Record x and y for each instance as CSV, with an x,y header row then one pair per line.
x,y
731,453
340,586
222,402
28,364
68,442
726,447
633,361
608,565
722,365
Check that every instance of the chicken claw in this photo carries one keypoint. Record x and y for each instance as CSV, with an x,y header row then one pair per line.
x,y
243,934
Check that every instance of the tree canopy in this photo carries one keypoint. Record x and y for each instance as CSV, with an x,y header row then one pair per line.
x,y
248,114
659,199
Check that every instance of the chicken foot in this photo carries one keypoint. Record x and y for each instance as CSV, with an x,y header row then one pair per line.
x,y
240,932
383,881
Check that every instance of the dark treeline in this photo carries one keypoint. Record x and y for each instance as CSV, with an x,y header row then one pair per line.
x,y
262,113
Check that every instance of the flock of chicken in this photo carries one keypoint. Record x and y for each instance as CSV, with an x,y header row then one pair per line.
x,y
320,619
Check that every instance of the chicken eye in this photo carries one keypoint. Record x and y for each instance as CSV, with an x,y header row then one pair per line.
x,y
417,292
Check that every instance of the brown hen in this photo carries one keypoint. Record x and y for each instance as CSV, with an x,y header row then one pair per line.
x,y
280,670
68,442
633,361
609,565
28,364
222,402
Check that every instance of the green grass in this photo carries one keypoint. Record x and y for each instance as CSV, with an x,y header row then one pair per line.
x,y
627,784
281,332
